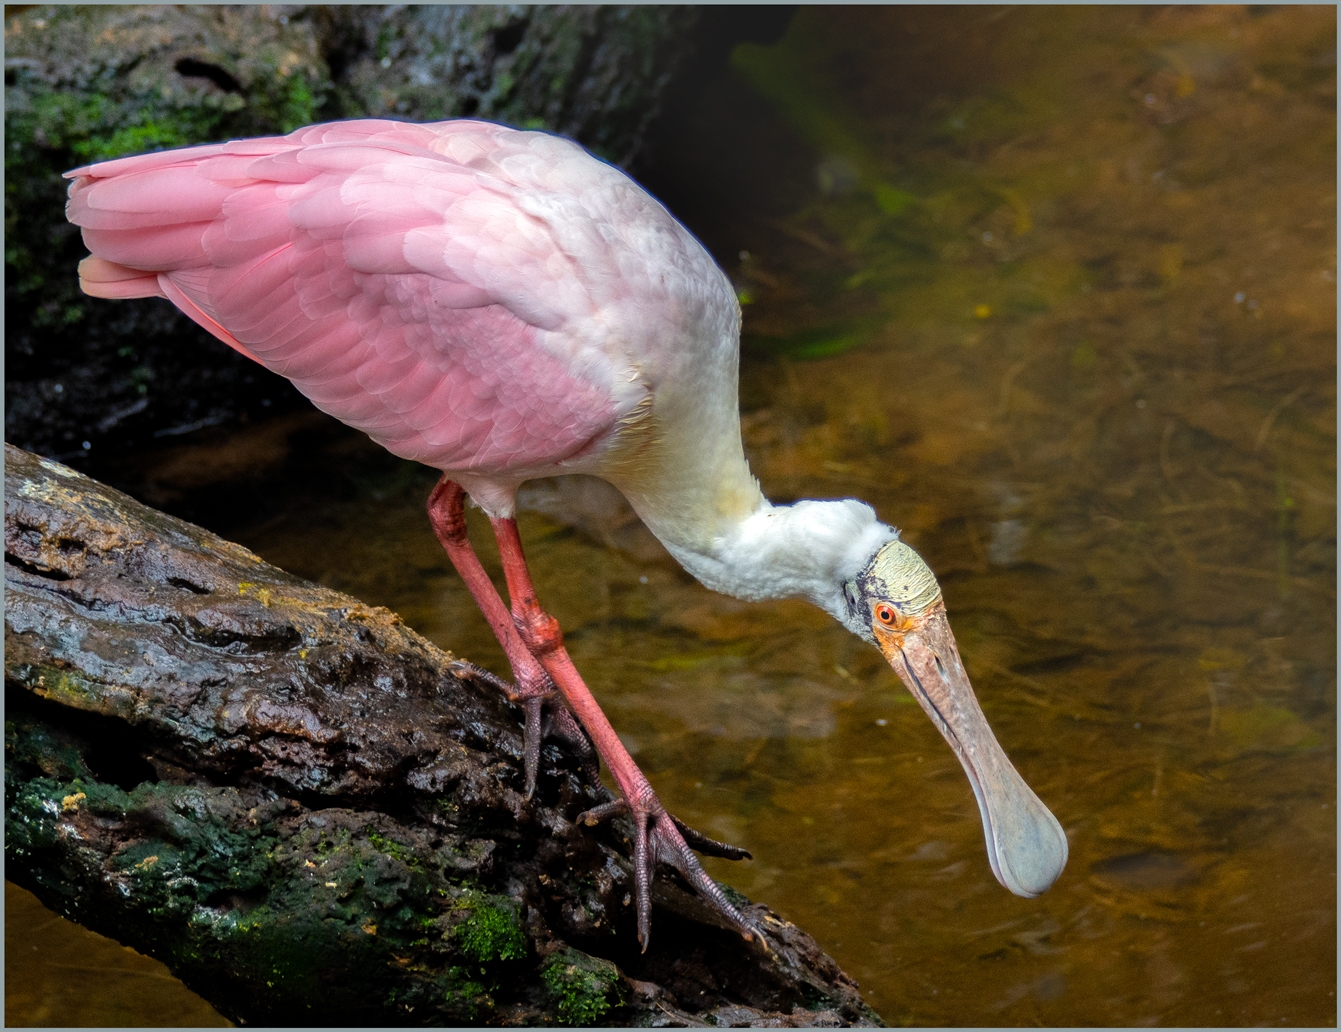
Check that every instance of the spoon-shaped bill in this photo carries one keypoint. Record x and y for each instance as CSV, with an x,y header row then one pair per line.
x,y
1025,844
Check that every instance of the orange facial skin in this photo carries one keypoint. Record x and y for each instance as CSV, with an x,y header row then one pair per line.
x,y
890,626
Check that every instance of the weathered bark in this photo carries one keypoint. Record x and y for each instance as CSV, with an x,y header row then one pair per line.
x,y
289,798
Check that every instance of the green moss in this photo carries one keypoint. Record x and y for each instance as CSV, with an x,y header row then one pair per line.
x,y
301,105
207,891
492,931
192,858
583,987
393,849
94,127
104,103
30,815
463,995
130,139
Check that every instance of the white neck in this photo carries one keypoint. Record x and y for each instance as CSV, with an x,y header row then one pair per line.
x,y
806,550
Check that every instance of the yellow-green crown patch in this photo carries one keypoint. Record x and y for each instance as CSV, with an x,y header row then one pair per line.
x,y
898,575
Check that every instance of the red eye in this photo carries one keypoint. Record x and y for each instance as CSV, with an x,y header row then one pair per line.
x,y
885,614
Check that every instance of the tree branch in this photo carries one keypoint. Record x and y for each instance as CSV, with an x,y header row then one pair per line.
x,y
288,797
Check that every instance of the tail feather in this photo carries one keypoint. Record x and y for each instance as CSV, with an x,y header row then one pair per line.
x,y
164,248
139,200
169,158
100,278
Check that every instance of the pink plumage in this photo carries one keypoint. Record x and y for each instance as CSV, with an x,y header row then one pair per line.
x,y
501,305
462,292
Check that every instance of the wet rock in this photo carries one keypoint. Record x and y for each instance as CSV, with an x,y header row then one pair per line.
x,y
91,82
290,799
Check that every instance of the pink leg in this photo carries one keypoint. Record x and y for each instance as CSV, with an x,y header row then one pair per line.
x,y
657,835
446,511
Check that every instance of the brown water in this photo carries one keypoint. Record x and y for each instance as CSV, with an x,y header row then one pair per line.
x,y
1053,289
57,973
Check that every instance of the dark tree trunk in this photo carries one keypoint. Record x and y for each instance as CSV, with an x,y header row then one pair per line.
x,y
289,798
88,82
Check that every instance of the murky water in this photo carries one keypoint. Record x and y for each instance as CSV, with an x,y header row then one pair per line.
x,y
1053,289
59,974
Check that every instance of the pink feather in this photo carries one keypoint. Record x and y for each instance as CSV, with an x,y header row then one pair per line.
x,y
398,283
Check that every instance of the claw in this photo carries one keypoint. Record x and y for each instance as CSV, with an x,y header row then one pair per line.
x,y
531,742
545,715
661,836
563,725
465,670
605,811
709,847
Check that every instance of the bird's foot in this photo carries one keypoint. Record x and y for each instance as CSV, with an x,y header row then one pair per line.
x,y
659,836
546,716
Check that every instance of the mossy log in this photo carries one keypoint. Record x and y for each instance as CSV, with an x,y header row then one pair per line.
x,y
291,799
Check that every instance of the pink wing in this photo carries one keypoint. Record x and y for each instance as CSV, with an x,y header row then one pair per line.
x,y
392,272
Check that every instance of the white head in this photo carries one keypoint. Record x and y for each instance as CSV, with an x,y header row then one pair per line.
x,y
840,557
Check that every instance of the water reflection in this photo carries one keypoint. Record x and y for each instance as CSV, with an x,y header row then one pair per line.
x,y
1053,289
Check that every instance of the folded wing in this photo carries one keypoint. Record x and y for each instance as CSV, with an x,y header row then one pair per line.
x,y
395,273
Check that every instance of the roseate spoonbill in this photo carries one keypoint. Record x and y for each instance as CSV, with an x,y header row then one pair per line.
x,y
501,305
